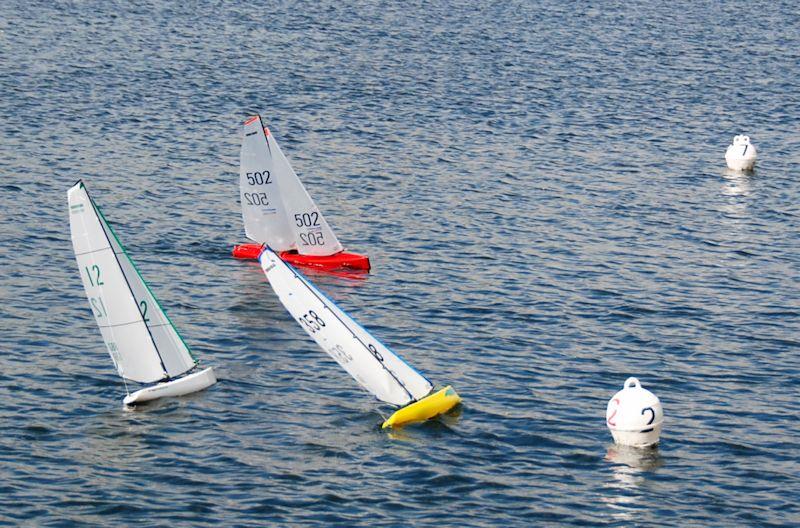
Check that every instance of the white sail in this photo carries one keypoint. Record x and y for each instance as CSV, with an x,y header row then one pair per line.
x,y
141,340
276,208
374,367
265,220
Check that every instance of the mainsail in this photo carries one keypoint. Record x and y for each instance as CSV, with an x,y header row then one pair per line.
x,y
367,360
142,341
276,208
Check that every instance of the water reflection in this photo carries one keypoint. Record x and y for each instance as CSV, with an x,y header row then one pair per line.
x,y
737,183
630,468
441,424
637,459
736,190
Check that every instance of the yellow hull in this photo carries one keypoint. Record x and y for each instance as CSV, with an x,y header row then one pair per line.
x,y
428,407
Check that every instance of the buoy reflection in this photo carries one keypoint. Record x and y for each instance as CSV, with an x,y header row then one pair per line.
x,y
631,465
637,458
737,183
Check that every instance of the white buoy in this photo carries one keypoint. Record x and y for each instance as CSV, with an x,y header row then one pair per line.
x,y
741,155
634,415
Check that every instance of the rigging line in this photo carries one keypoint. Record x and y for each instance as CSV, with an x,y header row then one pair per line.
x,y
260,122
127,283
124,382
357,338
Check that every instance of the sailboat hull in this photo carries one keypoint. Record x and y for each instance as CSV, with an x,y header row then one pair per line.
x,y
179,387
342,259
425,409
247,251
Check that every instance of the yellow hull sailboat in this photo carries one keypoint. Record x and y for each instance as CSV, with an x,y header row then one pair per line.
x,y
376,368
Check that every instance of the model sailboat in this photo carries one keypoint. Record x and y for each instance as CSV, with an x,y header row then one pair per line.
x,y
376,368
143,343
278,211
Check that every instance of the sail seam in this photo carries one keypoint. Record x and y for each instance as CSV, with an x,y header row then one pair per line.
x,y
132,322
92,251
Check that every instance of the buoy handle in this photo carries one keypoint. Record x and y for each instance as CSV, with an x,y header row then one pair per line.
x,y
632,382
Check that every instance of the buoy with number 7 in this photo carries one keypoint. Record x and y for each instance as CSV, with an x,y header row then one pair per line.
x,y
376,368
278,211
741,154
634,415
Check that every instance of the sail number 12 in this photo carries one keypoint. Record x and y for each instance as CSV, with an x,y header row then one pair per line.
x,y
94,275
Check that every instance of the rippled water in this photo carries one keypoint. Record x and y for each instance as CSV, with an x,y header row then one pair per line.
x,y
542,191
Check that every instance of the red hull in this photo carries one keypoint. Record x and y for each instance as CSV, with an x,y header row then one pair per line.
x,y
247,251
343,259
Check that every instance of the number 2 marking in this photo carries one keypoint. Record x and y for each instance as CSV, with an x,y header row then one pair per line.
x,y
613,414
652,417
143,310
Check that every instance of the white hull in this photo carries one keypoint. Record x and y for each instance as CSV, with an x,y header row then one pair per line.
x,y
179,387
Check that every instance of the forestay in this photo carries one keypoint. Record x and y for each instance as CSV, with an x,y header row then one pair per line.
x,y
372,364
141,340
276,208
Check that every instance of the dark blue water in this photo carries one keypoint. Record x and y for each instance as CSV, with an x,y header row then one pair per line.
x,y
542,192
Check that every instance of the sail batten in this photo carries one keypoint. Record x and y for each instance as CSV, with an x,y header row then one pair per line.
x,y
376,368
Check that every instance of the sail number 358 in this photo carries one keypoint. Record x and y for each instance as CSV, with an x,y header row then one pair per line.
x,y
311,321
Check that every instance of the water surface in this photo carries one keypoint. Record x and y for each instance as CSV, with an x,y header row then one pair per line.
x,y
542,192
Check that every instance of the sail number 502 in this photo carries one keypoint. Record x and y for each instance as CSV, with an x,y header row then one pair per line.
x,y
306,219
311,321
256,198
312,239
258,178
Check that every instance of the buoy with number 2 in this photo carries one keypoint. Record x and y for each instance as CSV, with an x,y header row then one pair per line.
x,y
634,415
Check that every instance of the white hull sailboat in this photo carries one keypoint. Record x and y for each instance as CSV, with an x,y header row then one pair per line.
x,y
144,345
278,211
376,368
